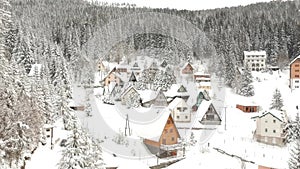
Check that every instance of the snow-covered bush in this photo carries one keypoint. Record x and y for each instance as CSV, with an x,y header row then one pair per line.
x,y
120,138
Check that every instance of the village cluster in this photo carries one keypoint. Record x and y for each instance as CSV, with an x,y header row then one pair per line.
x,y
179,106
186,104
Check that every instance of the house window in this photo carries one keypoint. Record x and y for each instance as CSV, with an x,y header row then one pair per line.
x,y
209,117
266,130
173,138
166,131
274,121
296,75
171,130
164,141
274,131
177,117
168,121
296,65
296,81
297,70
296,86
266,121
186,117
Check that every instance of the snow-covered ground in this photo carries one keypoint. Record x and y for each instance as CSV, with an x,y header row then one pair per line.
x,y
108,122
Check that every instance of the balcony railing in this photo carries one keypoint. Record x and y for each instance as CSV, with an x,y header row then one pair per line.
x,y
171,147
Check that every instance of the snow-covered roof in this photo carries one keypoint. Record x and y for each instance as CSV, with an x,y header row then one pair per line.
x,y
147,95
109,65
186,64
201,73
202,78
136,66
35,68
122,76
173,91
128,89
177,102
298,57
154,130
255,53
204,83
202,109
280,115
122,66
246,101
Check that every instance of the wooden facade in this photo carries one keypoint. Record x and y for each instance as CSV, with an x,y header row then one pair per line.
x,y
112,77
295,73
187,69
247,109
169,136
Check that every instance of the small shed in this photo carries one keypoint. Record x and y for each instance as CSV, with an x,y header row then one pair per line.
x,y
248,108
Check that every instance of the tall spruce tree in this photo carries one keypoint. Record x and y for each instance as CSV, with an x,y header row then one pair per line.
x,y
277,102
246,88
81,151
294,135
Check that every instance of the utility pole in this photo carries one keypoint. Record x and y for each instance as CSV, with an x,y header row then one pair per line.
x,y
127,126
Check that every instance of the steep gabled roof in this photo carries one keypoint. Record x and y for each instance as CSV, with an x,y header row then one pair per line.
x,y
164,63
36,70
147,95
203,107
187,64
280,115
181,89
154,130
176,90
136,65
202,110
128,89
176,102
132,77
298,57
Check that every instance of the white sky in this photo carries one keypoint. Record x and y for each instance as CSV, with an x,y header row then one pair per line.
x,y
187,4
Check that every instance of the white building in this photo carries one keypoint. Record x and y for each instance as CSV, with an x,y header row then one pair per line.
x,y
271,127
179,110
255,60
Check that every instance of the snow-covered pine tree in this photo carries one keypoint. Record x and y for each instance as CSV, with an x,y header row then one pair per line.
x,y
5,26
164,79
81,151
294,161
277,102
94,158
245,88
73,156
294,139
229,70
294,129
